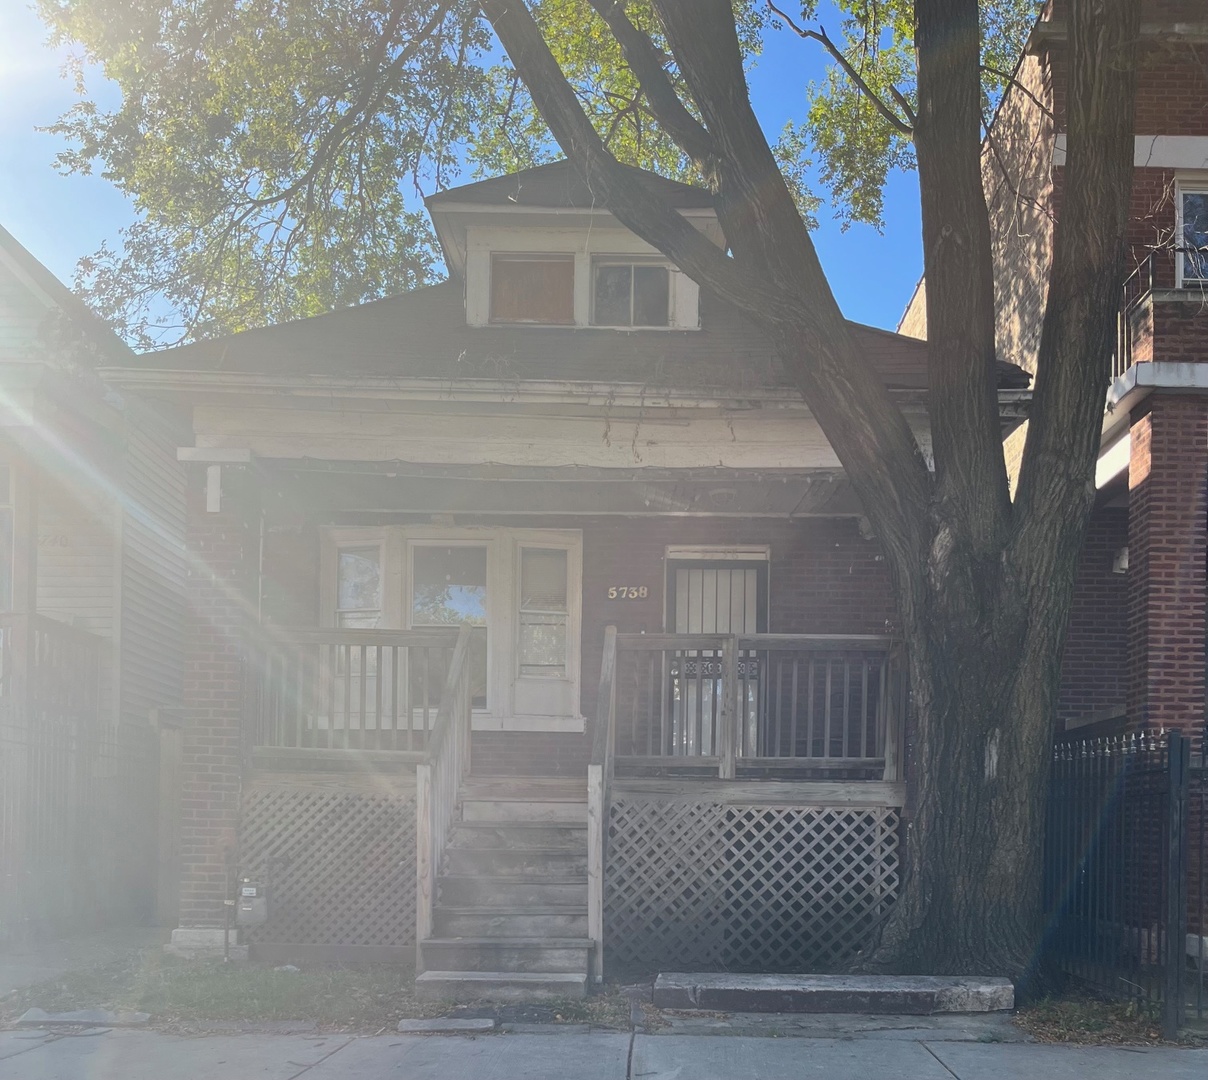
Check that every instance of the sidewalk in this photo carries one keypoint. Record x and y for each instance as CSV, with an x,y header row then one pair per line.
x,y
143,1055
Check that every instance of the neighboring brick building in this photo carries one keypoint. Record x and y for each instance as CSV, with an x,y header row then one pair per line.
x,y
1135,652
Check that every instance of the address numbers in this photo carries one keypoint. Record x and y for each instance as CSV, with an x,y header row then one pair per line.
x,y
628,592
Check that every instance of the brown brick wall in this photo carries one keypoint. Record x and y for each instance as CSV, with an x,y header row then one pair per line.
x,y
1166,544
222,559
1094,664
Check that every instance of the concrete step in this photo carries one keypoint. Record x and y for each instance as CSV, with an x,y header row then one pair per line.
x,y
509,892
913,995
548,921
500,985
516,862
519,834
507,954
507,811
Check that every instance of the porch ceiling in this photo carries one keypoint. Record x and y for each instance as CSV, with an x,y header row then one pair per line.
x,y
406,488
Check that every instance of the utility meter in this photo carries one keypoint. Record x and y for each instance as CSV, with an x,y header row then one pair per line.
x,y
251,906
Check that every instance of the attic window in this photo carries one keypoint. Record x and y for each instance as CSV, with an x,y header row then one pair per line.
x,y
533,289
629,293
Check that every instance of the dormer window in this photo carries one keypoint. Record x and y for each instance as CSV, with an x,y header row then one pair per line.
x,y
533,289
628,292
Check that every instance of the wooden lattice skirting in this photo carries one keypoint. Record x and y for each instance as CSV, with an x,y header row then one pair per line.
x,y
746,888
340,865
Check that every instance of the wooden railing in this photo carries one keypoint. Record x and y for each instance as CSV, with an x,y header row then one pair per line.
x,y
760,704
599,783
49,671
336,689
438,783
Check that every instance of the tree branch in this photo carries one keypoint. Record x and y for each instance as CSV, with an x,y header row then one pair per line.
x,y
647,64
904,127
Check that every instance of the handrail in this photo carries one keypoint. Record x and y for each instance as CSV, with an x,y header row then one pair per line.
x,y
599,782
438,783
49,669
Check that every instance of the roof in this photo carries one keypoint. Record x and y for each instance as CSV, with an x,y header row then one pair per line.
x,y
558,186
423,334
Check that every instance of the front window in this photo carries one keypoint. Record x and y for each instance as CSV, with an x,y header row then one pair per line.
x,y
628,293
537,289
1193,234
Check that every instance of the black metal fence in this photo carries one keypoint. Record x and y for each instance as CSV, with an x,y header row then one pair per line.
x,y
1125,869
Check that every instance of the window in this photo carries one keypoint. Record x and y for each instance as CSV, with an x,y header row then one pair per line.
x,y
1193,233
533,289
359,588
543,612
627,293
449,587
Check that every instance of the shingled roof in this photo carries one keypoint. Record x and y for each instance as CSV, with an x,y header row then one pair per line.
x,y
423,334
558,186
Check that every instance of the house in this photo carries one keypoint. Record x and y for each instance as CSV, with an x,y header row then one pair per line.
x,y
91,614
662,581
1135,653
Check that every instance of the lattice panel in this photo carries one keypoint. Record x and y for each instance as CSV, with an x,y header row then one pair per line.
x,y
341,865
746,888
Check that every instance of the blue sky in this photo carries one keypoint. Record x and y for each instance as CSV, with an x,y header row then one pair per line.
x,y
62,218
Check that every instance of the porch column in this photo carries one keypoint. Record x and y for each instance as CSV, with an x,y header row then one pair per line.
x,y
223,542
1167,473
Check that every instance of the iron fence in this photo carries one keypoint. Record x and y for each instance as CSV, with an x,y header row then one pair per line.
x,y
1124,882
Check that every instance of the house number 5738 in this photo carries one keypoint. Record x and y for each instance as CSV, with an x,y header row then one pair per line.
x,y
628,592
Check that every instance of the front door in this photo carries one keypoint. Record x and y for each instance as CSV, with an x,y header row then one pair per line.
x,y
724,596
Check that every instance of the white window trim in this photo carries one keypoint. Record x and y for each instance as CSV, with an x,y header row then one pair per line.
x,y
483,241
1186,184
503,619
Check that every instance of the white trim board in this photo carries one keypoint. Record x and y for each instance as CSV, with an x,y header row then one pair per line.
x,y
1156,151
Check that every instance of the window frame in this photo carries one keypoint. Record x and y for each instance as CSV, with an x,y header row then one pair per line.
x,y
1187,185
632,261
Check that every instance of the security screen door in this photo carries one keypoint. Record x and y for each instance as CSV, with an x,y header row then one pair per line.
x,y
713,597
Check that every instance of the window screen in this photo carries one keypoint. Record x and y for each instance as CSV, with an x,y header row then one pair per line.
x,y
543,612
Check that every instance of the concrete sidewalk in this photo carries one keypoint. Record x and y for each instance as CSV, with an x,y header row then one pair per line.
x,y
144,1055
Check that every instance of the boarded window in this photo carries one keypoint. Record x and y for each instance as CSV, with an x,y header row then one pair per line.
x,y
533,289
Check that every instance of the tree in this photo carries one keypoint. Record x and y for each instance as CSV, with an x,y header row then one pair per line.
x,y
983,582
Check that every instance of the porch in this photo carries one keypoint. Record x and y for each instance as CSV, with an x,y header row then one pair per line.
x,y
739,808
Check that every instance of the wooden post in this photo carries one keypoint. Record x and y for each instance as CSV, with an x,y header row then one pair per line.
x,y
893,705
425,870
729,724
596,827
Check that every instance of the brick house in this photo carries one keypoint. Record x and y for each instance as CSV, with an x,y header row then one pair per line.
x,y
1135,653
664,584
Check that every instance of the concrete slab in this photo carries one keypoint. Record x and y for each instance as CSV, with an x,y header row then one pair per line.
x,y
688,1057
446,1025
942,1027
135,1055
891,995
92,1017
507,1057
18,1042
1071,1062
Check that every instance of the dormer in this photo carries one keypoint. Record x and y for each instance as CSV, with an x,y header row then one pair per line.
x,y
534,249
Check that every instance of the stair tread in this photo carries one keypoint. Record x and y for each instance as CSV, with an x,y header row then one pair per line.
x,y
502,976
516,942
536,849
513,909
521,879
581,825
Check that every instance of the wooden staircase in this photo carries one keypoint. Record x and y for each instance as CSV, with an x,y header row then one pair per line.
x,y
510,919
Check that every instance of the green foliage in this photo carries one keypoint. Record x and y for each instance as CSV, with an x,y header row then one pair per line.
x,y
273,149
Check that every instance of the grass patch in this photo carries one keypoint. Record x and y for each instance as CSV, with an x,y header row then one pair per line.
x,y
179,992
1086,1019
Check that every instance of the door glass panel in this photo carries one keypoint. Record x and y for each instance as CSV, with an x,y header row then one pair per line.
x,y
543,612
359,588
449,587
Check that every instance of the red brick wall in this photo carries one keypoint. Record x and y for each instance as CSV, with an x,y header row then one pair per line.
x,y
1166,544
1093,668
223,552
